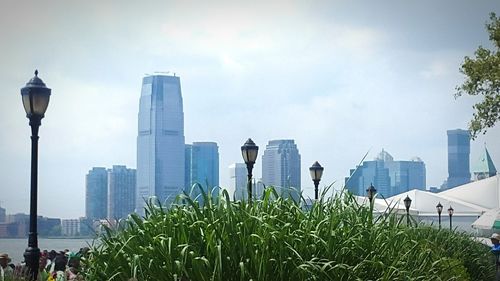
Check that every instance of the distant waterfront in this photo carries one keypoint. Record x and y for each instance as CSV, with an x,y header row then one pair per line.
x,y
15,246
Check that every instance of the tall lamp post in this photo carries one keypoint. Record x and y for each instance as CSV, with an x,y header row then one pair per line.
x,y
439,209
249,152
407,202
450,212
35,96
371,191
316,172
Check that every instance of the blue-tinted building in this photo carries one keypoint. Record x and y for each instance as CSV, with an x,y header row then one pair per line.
x,y
188,149
96,194
458,158
204,162
121,192
281,168
388,176
160,140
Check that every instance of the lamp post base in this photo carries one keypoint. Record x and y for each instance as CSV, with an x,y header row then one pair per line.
x,y
32,258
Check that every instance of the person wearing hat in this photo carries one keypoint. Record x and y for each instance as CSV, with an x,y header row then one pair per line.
x,y
5,269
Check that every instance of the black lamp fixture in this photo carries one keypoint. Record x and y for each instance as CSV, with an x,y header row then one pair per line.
x,y
439,209
316,172
371,192
35,96
249,152
407,202
450,213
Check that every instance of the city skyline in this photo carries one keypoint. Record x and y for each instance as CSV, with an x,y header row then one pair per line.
x,y
341,79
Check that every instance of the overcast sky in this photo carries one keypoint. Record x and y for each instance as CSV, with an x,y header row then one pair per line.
x,y
342,78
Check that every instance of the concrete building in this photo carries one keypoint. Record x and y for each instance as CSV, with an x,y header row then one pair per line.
x,y
281,168
458,158
96,193
70,227
121,192
160,140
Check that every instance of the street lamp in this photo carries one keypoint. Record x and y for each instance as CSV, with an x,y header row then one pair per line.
x,y
371,191
407,206
450,212
439,209
35,96
316,172
249,152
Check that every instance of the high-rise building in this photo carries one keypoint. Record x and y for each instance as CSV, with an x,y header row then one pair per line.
x,y
205,163
484,166
3,215
121,192
188,150
458,157
160,140
96,194
281,168
204,167
388,176
238,177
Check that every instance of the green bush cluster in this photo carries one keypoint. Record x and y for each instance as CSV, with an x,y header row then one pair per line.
x,y
276,239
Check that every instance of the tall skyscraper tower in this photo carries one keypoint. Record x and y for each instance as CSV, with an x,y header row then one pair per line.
x,y
458,157
121,192
281,167
160,140
96,194
238,177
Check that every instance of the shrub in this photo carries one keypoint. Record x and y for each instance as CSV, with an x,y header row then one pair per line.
x,y
275,239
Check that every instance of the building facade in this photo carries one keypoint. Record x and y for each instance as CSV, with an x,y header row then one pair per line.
x,y
96,193
281,168
238,180
204,168
70,227
121,192
458,157
388,176
160,140
188,150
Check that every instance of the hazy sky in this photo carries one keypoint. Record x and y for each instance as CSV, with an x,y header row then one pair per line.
x,y
340,77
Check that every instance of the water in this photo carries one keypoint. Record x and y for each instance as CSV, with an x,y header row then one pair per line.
x,y
15,246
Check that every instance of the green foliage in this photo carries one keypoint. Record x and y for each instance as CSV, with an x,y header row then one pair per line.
x,y
482,77
276,239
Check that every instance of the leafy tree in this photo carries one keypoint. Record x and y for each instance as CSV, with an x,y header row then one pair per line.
x,y
482,77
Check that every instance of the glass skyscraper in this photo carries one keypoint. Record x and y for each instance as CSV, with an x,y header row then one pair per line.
x,y
458,158
96,194
160,140
388,176
281,168
121,192
204,167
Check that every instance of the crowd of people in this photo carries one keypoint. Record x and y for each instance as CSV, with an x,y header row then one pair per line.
x,y
54,266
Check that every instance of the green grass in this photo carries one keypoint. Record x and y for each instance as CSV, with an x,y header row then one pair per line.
x,y
275,239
